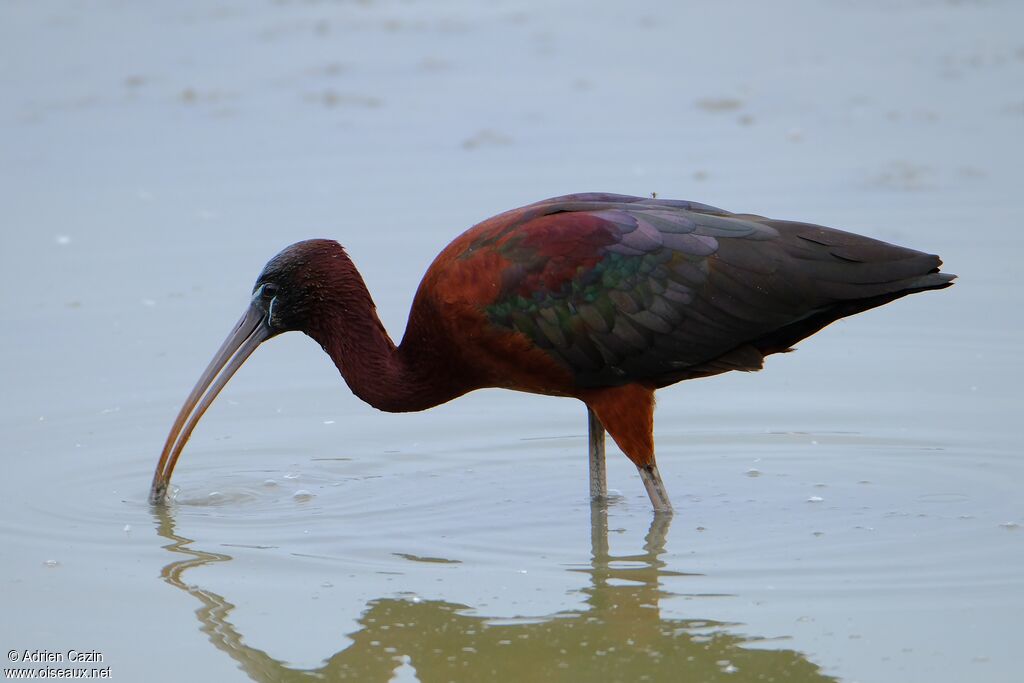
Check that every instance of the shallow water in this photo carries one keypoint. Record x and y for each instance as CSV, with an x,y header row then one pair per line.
x,y
851,513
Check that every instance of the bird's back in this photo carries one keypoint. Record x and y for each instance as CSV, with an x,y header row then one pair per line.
x,y
616,289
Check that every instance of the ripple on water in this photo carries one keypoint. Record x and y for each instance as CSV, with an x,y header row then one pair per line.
x,y
907,529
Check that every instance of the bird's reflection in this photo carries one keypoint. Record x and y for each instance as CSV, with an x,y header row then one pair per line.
x,y
619,636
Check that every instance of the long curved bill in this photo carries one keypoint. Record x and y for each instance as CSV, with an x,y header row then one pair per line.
x,y
248,333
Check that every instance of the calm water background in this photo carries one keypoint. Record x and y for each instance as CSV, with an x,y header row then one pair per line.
x,y
852,513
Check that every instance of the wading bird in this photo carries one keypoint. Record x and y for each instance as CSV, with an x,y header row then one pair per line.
x,y
600,297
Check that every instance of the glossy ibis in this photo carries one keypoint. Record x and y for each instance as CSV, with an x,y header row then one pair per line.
x,y
600,297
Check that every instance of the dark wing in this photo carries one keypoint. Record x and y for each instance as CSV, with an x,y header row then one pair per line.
x,y
624,289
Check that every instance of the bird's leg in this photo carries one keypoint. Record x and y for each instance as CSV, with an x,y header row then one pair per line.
x,y
598,474
627,412
599,533
655,487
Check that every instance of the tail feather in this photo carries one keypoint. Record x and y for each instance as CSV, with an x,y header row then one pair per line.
x,y
783,339
933,280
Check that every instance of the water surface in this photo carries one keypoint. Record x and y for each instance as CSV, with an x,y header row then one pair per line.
x,y
852,513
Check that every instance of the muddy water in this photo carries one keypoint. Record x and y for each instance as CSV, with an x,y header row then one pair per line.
x,y
852,513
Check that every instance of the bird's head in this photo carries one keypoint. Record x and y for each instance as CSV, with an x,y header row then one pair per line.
x,y
285,298
294,283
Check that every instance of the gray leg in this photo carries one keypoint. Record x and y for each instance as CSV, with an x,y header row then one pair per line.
x,y
655,488
599,534
598,476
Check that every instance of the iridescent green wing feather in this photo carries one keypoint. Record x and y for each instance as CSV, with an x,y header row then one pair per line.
x,y
623,289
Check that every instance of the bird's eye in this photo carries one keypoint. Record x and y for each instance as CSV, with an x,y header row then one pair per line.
x,y
269,290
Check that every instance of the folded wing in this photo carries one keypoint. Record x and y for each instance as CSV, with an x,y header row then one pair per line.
x,y
625,289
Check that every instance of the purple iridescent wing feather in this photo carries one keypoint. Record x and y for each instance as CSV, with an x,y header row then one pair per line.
x,y
622,289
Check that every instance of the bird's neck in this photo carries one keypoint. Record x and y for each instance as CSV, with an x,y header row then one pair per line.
x,y
394,379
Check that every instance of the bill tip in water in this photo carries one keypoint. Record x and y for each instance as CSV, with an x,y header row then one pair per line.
x,y
158,494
